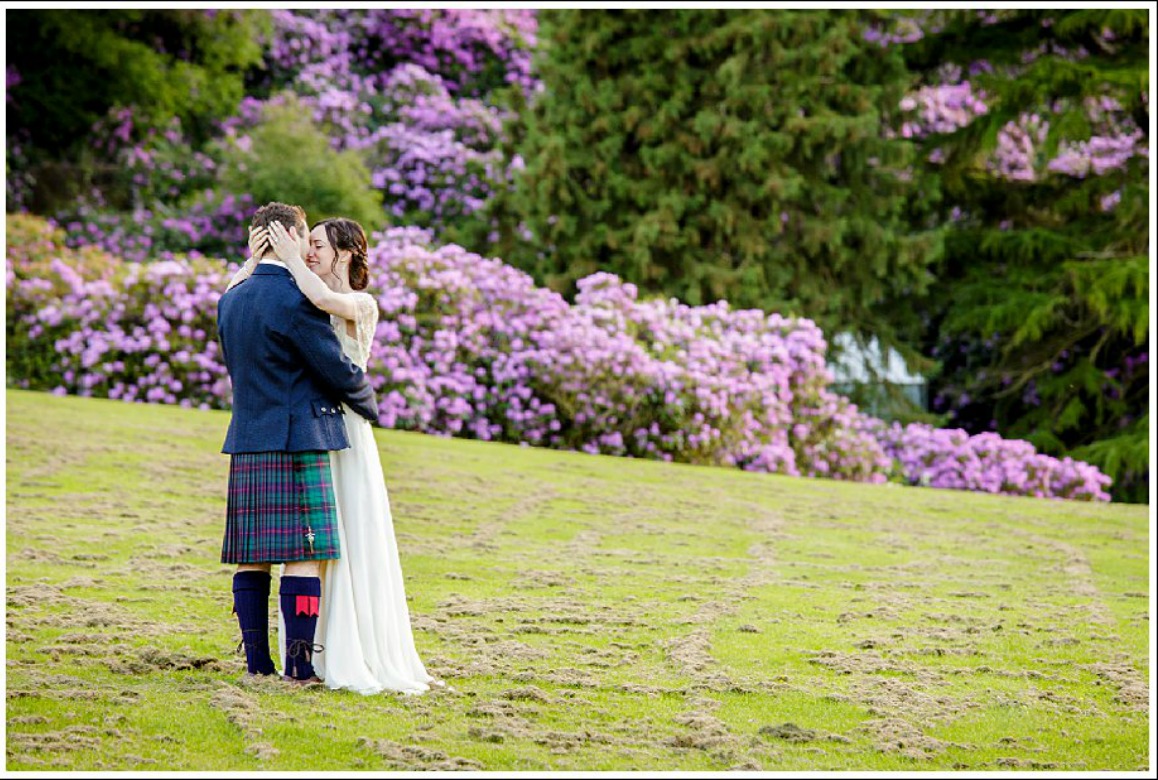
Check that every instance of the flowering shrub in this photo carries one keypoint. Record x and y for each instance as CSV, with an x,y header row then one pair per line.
x,y
411,91
475,51
160,165
210,223
499,358
985,462
468,346
952,103
84,322
175,203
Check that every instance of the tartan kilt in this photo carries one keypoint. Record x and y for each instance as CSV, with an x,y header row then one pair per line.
x,y
275,500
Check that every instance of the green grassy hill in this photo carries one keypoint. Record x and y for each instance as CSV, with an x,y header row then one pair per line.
x,y
587,613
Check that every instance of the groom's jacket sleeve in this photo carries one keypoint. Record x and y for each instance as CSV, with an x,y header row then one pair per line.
x,y
314,337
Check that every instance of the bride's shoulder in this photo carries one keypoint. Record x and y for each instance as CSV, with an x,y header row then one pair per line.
x,y
365,301
365,308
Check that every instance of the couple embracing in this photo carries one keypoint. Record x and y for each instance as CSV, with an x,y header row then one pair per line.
x,y
305,480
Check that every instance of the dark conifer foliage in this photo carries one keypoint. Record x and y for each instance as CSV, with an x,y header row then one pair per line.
x,y
1040,311
725,154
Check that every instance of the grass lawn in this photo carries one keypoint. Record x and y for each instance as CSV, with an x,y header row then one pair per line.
x,y
586,613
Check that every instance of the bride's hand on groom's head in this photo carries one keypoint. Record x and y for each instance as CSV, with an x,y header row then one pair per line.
x,y
285,243
258,241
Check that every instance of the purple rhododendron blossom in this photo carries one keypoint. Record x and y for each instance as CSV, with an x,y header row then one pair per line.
x,y
468,346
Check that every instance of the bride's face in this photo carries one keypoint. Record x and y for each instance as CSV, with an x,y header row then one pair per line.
x,y
320,256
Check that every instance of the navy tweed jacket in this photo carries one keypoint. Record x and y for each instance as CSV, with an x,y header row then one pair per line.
x,y
288,371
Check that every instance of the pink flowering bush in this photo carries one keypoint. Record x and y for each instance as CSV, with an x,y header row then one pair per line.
x,y
414,92
472,347
985,462
86,323
952,103
468,346
170,200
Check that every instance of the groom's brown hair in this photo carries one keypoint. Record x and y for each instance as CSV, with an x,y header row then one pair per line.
x,y
288,215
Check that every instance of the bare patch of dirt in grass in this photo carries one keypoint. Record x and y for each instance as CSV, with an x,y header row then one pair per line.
x,y
1024,763
1132,689
527,693
897,735
921,699
26,720
705,732
790,732
564,676
565,742
151,659
56,651
877,613
32,555
865,663
68,740
81,582
490,655
416,757
35,595
541,579
505,715
582,544
487,734
643,690
607,658
534,626
690,653
241,710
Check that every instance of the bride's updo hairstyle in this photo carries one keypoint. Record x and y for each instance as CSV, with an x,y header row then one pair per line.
x,y
348,235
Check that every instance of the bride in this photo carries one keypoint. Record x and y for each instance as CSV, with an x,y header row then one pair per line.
x,y
363,641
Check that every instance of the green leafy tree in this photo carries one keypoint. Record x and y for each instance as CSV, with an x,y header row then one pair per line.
x,y
723,154
287,157
74,65
1040,311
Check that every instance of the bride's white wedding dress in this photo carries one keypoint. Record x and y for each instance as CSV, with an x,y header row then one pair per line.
x,y
363,622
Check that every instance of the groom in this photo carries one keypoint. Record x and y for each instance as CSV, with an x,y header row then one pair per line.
x,y
289,378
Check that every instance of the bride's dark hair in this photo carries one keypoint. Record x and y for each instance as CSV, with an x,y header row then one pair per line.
x,y
348,235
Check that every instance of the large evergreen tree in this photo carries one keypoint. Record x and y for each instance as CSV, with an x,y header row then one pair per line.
x,y
1040,312
724,154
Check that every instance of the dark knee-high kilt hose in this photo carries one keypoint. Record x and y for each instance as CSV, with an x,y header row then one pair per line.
x,y
280,508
